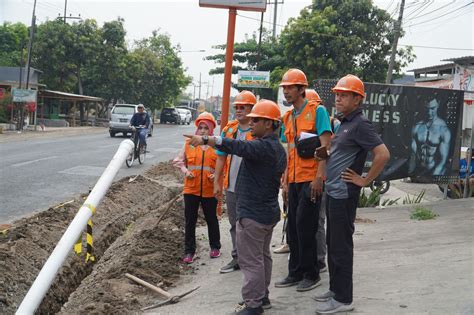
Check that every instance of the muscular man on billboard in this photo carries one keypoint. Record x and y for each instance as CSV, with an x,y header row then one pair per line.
x,y
430,143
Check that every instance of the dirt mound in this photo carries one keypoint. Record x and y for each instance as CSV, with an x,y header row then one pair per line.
x,y
132,233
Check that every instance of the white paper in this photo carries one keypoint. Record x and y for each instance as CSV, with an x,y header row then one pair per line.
x,y
306,135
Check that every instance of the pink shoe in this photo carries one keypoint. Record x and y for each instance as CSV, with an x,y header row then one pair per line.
x,y
188,259
215,253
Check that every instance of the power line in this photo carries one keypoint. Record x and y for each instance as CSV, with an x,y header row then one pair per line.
x,y
345,37
440,16
428,13
437,24
424,5
442,48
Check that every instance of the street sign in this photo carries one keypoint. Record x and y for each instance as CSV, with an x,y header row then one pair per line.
x,y
246,5
254,79
24,95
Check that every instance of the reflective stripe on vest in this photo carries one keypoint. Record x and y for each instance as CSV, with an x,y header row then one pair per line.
x,y
202,164
300,170
230,131
197,167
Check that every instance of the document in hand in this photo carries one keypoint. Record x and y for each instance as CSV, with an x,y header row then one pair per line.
x,y
307,135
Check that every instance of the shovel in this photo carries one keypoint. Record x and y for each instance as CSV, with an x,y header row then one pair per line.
x,y
170,299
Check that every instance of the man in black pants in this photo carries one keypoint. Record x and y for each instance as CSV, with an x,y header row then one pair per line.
x,y
258,211
354,138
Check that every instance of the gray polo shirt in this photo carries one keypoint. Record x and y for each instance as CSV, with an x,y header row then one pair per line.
x,y
354,138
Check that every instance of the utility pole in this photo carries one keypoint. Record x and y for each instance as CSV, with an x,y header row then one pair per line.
x,y
65,7
199,86
275,13
260,42
30,44
396,35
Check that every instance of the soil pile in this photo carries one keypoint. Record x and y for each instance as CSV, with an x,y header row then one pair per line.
x,y
138,229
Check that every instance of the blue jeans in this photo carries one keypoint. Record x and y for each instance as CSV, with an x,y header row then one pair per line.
x,y
142,135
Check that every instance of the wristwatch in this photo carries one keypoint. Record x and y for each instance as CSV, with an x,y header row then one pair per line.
x,y
205,139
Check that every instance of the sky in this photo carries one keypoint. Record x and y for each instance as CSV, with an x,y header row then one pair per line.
x,y
438,29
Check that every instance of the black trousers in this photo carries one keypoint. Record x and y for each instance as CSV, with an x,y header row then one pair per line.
x,y
191,207
341,215
303,216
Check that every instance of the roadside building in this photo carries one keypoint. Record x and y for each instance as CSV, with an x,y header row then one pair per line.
x,y
52,108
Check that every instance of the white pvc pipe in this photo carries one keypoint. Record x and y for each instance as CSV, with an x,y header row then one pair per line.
x,y
47,274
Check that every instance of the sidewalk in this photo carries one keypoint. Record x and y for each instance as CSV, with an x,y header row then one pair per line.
x,y
401,266
49,132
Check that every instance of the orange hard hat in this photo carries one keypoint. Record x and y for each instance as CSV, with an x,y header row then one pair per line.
x,y
245,98
312,95
350,83
266,109
294,77
205,116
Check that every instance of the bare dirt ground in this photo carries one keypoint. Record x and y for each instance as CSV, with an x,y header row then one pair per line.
x,y
138,229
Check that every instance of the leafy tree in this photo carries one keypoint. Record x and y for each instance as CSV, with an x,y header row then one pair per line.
x,y
163,78
13,40
331,38
249,56
106,76
50,55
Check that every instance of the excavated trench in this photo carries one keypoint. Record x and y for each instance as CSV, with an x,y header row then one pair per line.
x,y
138,229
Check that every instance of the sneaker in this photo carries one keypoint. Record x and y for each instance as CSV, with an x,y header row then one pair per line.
x,y
231,266
287,282
266,304
332,306
214,253
188,258
283,249
323,297
245,310
307,284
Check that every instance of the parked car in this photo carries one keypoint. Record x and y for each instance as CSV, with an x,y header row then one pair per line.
x,y
120,119
170,115
185,115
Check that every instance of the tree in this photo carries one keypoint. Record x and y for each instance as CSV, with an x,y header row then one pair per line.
x,y
249,56
331,38
163,78
13,42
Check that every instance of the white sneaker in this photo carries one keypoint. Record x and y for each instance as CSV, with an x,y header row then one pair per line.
x,y
282,249
323,297
332,306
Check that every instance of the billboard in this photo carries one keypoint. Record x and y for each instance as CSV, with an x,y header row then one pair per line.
x,y
24,95
253,79
420,126
246,5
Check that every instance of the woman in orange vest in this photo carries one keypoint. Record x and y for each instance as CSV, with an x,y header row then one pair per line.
x,y
198,164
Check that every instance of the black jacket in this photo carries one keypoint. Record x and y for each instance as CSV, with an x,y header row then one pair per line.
x,y
258,181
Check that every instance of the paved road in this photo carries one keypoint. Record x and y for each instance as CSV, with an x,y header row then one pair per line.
x,y
40,171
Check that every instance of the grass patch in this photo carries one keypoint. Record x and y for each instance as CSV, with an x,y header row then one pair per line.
x,y
422,213
411,199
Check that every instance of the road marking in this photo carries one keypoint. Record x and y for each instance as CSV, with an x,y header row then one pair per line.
x,y
34,161
84,170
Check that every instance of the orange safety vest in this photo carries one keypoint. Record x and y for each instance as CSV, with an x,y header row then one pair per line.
x,y
202,164
230,131
300,170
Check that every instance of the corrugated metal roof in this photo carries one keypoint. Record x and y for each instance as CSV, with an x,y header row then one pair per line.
x,y
465,59
433,68
69,96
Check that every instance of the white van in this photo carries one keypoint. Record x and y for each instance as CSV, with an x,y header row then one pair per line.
x,y
120,119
